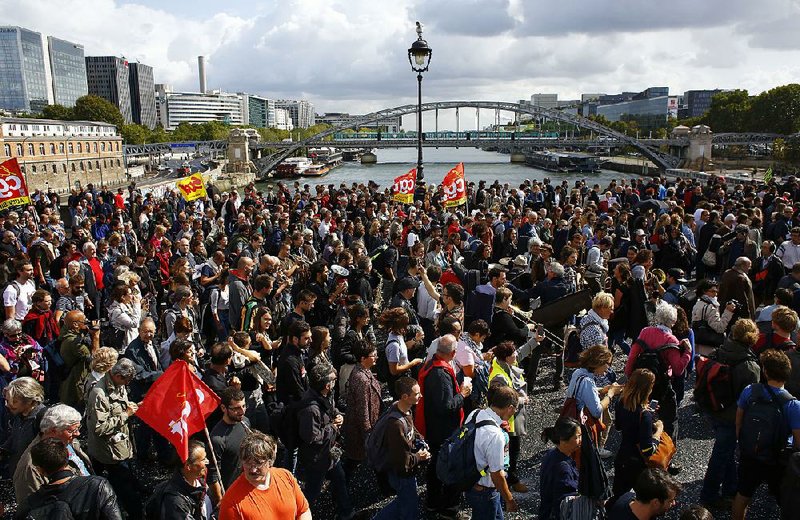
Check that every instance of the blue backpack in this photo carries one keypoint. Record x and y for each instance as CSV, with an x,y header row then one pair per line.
x,y
456,466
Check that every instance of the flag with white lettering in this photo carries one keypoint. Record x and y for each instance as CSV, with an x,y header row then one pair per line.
x,y
13,190
455,187
404,186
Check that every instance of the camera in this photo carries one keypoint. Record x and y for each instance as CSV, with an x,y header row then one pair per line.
x,y
419,445
735,303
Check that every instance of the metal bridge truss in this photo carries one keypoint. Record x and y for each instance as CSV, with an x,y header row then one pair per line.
x,y
155,148
660,159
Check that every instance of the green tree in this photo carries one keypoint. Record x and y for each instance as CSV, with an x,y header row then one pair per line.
x,y
95,108
159,135
777,110
729,112
57,111
134,134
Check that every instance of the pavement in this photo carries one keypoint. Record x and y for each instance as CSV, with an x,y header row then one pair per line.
x,y
694,448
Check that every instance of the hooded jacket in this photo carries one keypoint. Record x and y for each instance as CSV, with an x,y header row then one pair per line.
x,y
745,371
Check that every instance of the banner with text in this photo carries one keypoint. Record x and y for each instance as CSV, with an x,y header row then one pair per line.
x,y
404,186
455,187
13,190
192,187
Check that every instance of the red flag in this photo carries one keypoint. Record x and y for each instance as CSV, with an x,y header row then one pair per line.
x,y
404,186
176,406
455,187
13,191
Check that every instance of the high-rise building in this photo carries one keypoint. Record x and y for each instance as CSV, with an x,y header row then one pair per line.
x,y
697,102
545,100
67,70
283,121
257,111
301,111
23,70
108,77
143,94
175,108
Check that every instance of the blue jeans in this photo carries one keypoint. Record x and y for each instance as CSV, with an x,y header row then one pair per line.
x,y
721,470
405,505
486,504
338,489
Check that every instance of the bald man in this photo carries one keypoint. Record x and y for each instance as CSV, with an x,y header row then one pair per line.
x,y
78,343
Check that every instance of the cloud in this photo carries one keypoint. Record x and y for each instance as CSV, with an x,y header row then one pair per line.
x,y
350,55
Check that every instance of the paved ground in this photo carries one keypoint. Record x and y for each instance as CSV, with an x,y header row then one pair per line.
x,y
694,447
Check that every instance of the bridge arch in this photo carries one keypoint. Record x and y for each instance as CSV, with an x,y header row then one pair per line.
x,y
660,159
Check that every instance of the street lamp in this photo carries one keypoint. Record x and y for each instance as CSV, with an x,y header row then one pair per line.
x,y
419,56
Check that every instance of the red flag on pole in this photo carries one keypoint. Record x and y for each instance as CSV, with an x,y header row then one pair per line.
x,y
176,406
455,187
13,190
403,187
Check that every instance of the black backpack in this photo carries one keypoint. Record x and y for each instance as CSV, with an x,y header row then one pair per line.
x,y
456,465
376,449
652,360
573,348
52,509
382,365
764,429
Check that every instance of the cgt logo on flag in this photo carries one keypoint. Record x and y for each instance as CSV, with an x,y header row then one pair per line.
x,y
455,187
192,187
176,406
13,190
404,187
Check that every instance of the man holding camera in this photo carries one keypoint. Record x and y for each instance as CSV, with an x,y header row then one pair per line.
x,y
735,286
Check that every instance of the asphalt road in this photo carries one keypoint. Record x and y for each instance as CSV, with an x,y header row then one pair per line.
x,y
694,448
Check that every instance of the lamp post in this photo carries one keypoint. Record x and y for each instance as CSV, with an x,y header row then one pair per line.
x,y
419,56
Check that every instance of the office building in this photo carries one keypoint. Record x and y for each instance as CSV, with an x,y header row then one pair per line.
x,y
650,113
696,102
23,71
300,111
143,94
258,112
545,100
109,78
63,154
67,71
283,120
175,108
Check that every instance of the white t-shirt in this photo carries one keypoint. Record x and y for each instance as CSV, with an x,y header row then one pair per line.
x,y
490,446
19,296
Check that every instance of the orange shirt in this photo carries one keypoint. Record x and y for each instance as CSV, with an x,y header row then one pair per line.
x,y
282,501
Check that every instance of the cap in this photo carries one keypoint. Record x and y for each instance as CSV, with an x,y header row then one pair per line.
x,y
639,232
678,274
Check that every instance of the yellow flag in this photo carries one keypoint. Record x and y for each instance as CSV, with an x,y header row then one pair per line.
x,y
192,187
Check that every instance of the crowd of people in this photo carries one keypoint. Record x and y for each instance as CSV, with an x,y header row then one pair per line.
x,y
344,332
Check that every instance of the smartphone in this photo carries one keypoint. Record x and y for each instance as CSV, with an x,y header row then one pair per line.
x,y
653,404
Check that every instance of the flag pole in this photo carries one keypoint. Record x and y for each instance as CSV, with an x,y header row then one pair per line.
x,y
214,459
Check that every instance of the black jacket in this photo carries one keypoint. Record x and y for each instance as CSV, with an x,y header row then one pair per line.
x,y
147,371
89,498
317,433
745,371
182,501
291,381
504,328
442,407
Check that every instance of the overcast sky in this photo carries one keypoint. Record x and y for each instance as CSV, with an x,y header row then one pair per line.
x,y
350,55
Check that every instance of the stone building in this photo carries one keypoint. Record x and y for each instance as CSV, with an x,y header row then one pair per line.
x,y
63,154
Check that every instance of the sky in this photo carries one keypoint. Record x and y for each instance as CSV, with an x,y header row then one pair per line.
x,y
351,55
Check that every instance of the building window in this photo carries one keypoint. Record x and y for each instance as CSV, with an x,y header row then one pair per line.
x,y
90,165
19,150
98,164
82,166
64,166
117,145
80,148
95,147
118,163
41,148
52,149
54,169
105,164
61,148
71,148
103,146
73,166
33,169
7,149
30,149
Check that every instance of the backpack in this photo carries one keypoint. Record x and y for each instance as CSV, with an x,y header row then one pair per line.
x,y
376,449
456,465
152,507
52,509
764,428
686,299
713,389
573,348
377,258
382,365
651,359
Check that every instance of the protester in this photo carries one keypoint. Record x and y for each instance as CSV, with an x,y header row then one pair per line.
x,y
559,473
654,493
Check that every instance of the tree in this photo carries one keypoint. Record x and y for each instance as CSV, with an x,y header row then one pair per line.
x,y
777,110
729,112
95,108
134,134
59,112
159,135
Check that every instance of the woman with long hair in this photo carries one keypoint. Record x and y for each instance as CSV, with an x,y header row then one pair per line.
x,y
640,430
320,344
559,473
621,291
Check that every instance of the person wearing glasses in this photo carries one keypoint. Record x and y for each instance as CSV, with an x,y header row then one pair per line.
x,y
263,491
60,422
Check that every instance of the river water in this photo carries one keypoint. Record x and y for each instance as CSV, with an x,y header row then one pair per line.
x,y
478,165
